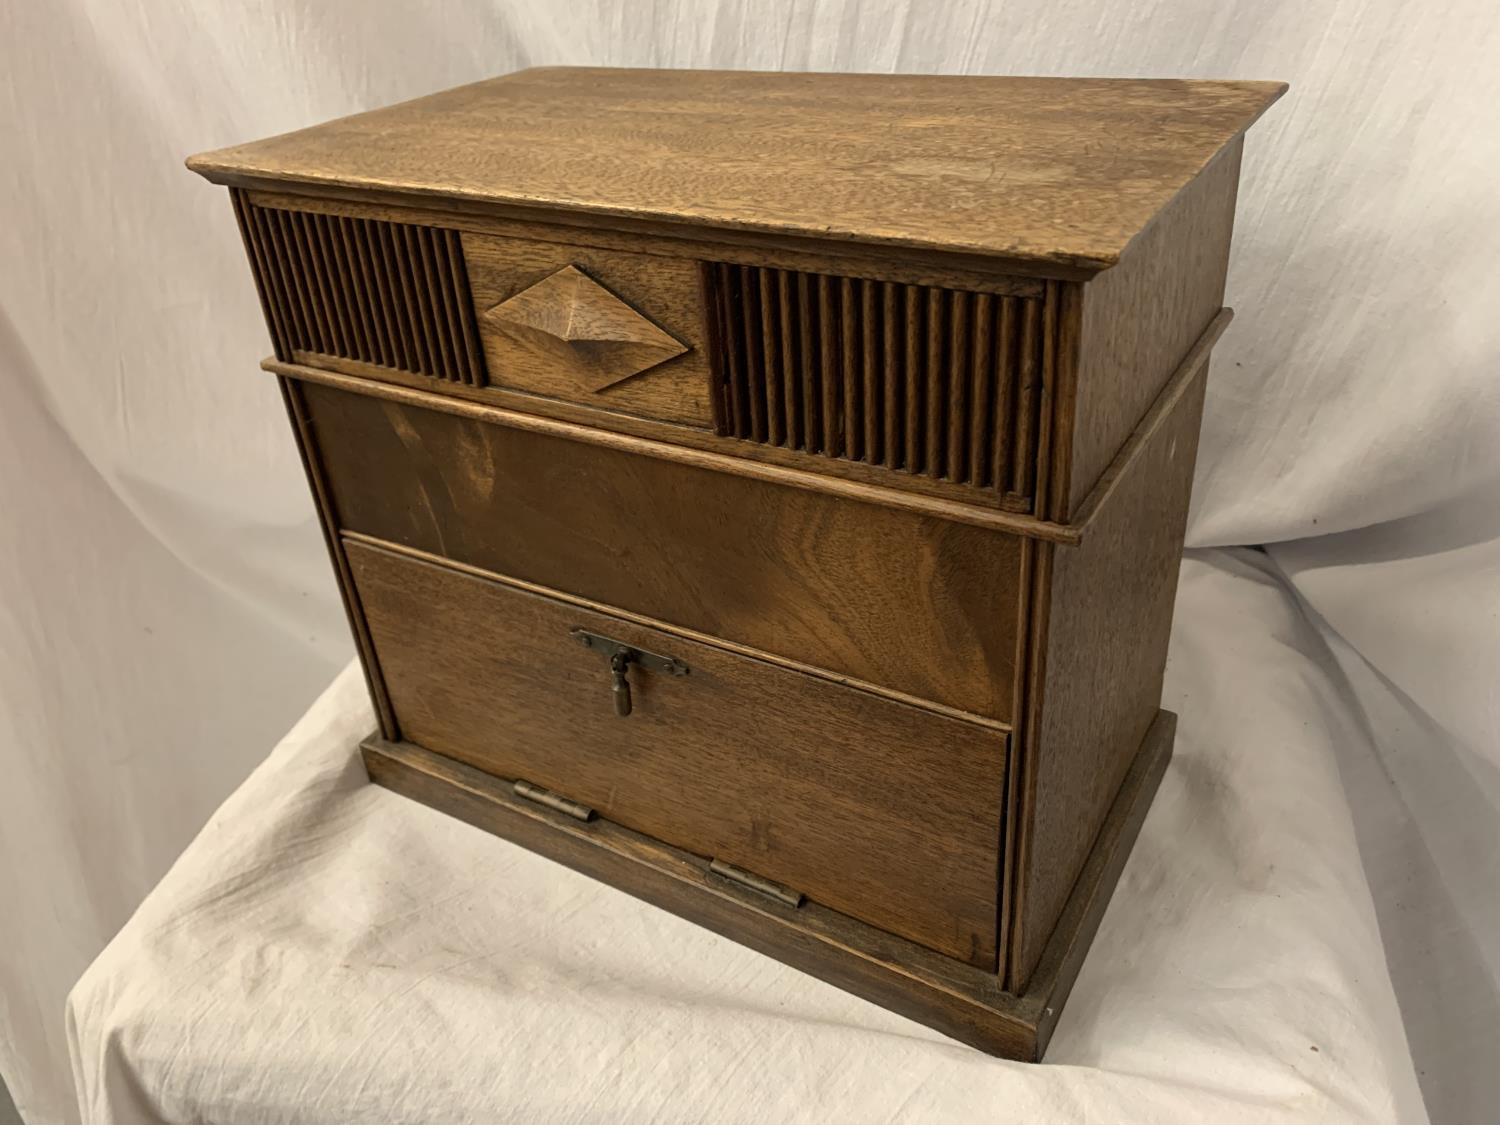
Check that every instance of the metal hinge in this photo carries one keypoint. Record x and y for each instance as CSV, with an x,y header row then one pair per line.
x,y
555,801
754,882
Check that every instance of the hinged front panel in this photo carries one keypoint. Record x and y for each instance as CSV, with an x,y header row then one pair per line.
x,y
880,810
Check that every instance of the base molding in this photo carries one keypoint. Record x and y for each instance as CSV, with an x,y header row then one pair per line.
x,y
957,999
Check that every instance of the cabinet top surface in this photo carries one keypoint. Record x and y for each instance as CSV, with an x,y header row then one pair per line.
x,y
1061,171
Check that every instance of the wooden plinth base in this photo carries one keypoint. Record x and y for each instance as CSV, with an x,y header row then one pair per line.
x,y
956,999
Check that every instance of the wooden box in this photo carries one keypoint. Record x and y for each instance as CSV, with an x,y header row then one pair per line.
x,y
765,492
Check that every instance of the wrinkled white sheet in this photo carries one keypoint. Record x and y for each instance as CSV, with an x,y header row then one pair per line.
x,y
326,951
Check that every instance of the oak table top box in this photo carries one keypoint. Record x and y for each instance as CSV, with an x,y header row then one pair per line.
x,y
765,492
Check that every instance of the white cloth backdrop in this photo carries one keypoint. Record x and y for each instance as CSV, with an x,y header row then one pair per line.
x,y
165,606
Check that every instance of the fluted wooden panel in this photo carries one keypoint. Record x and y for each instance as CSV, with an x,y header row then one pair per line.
x,y
386,294
938,383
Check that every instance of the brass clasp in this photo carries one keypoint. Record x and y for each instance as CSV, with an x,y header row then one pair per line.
x,y
621,657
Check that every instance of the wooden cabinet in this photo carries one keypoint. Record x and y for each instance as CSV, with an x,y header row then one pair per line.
x,y
765,492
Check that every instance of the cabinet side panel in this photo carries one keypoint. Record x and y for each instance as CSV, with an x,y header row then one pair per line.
x,y
1109,617
1139,320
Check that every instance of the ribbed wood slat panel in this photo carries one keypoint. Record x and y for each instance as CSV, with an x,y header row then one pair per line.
x,y
939,383
386,294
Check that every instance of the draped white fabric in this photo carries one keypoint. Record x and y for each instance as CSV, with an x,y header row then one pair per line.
x,y
166,609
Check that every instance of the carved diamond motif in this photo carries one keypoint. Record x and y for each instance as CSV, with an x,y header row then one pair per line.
x,y
569,320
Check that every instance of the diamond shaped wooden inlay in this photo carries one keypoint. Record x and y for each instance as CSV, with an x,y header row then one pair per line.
x,y
571,321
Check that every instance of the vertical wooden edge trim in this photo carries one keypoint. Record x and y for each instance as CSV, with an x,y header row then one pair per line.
x,y
895,392
933,369
311,465
872,391
294,302
916,387
439,299
304,278
392,250
443,242
812,376
469,313
958,384
418,299
260,273
376,322
1028,378
755,374
1054,504
982,366
710,297
397,339
828,347
1005,393
770,359
356,309
1010,810
732,332
1047,421
791,397
849,357
1027,721
315,229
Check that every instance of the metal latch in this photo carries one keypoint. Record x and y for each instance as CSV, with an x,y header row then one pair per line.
x,y
621,657
754,882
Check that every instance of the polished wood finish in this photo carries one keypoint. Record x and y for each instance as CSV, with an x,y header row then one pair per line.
x,y
958,999
909,602
716,761
870,403
684,444
1137,322
1097,683
390,296
846,259
646,357
934,382
1026,168
569,324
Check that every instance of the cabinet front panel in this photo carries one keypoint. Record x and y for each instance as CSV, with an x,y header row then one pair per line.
x,y
877,809
919,605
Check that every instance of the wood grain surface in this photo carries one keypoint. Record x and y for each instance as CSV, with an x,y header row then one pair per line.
x,y
878,810
674,386
873,399
923,605
1139,319
958,999
680,445
1054,170
1095,689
